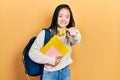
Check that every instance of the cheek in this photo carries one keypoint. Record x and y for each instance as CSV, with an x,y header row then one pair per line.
x,y
58,21
68,20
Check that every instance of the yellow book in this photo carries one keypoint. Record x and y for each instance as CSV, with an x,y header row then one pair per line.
x,y
58,44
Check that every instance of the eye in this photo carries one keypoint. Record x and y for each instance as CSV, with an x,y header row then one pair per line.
x,y
67,16
59,16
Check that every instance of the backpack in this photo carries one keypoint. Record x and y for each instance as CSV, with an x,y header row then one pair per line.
x,y
32,68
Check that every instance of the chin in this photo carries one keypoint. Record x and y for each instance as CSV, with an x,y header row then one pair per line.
x,y
63,26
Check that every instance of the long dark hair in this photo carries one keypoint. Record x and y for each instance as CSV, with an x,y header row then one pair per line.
x,y
53,25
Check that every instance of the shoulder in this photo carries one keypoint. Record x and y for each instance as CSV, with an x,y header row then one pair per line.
x,y
43,31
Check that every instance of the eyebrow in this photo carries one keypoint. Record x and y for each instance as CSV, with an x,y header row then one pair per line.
x,y
62,14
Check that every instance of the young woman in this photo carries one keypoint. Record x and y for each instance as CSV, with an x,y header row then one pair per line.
x,y
62,20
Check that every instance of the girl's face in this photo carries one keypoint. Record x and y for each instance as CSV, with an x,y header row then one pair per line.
x,y
63,18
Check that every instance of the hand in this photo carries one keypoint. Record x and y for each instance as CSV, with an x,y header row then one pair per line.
x,y
57,61
58,58
71,32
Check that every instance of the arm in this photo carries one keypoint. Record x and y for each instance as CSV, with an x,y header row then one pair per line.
x,y
35,53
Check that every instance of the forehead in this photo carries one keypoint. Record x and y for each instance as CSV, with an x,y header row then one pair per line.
x,y
64,11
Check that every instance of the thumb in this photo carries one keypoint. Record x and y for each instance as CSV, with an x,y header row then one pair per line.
x,y
58,57
68,29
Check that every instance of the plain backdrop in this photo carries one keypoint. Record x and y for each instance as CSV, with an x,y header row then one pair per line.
x,y
97,57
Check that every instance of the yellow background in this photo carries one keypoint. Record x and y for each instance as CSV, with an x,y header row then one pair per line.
x,y
97,57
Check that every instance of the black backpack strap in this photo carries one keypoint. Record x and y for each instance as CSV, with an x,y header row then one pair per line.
x,y
47,36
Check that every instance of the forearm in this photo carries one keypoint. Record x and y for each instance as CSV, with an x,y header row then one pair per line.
x,y
36,55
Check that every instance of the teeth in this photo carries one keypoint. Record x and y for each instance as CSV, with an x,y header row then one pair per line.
x,y
63,23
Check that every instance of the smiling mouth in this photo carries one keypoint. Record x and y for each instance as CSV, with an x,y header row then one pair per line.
x,y
63,23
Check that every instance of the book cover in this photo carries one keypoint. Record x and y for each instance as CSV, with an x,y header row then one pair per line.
x,y
58,45
54,47
52,52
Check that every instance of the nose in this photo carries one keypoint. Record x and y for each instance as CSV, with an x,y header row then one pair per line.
x,y
63,19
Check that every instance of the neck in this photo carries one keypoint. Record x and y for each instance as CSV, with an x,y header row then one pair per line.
x,y
59,28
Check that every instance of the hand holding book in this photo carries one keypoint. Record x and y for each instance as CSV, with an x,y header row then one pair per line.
x,y
53,52
57,61
55,48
